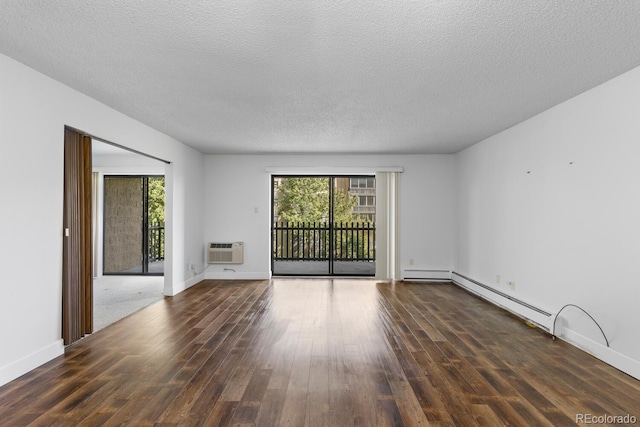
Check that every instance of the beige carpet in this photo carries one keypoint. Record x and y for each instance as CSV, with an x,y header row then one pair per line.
x,y
116,297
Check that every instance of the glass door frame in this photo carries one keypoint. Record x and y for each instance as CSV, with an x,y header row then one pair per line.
x,y
144,224
331,229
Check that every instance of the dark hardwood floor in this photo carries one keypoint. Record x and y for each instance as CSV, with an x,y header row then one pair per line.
x,y
319,352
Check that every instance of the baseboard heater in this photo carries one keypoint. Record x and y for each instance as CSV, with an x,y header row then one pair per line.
x,y
426,275
495,291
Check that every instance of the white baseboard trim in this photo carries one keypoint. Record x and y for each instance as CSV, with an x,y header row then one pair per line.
x,y
28,363
601,351
425,274
179,287
240,275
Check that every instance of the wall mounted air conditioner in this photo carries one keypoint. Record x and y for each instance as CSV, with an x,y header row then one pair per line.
x,y
226,253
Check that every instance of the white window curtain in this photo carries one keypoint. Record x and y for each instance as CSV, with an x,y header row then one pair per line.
x,y
387,248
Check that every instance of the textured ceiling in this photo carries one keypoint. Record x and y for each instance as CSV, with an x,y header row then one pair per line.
x,y
301,76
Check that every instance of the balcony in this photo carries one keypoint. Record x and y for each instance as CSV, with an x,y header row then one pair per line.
x,y
324,248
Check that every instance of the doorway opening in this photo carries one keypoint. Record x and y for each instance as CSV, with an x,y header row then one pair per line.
x,y
119,293
86,157
323,225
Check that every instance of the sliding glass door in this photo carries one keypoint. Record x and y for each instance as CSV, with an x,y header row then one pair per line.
x,y
133,225
323,225
353,226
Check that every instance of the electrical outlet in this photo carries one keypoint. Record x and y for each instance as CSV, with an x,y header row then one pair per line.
x,y
411,261
497,278
512,285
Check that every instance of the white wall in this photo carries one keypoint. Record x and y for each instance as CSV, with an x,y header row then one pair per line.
x,y
553,205
237,186
33,111
127,163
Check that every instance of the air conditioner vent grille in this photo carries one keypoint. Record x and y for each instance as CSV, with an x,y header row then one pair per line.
x,y
218,257
221,245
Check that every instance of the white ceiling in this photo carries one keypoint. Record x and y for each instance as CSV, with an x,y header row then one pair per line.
x,y
304,76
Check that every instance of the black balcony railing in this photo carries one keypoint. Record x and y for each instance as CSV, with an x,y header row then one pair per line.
x,y
156,242
324,241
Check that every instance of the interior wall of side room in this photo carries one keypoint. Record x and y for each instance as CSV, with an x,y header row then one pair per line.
x,y
126,163
238,198
34,110
551,205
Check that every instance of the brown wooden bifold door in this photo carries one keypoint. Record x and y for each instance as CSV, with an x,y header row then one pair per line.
x,y
77,286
